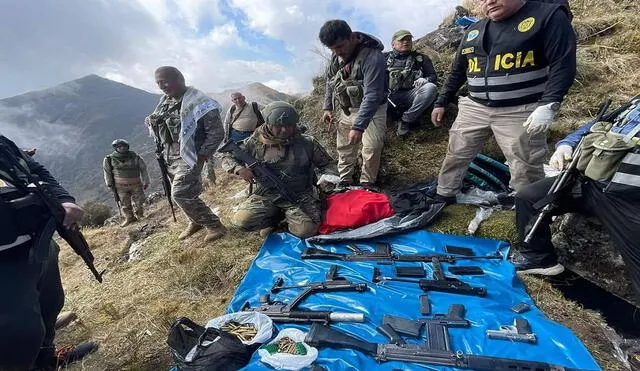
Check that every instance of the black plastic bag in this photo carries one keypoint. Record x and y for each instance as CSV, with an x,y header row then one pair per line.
x,y
215,350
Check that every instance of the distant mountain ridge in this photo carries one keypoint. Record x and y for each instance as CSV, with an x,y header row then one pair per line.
x,y
73,124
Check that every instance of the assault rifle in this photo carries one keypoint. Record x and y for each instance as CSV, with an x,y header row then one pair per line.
x,y
439,283
73,236
383,252
562,181
322,336
264,174
280,312
164,175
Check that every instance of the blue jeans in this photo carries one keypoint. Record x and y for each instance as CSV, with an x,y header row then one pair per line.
x,y
238,136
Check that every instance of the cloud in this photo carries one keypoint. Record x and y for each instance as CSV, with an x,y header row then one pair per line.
x,y
215,43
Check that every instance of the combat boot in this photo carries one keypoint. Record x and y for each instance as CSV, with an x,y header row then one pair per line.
x,y
191,229
129,220
215,232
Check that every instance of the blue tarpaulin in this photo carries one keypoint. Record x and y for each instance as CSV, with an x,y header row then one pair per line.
x,y
280,257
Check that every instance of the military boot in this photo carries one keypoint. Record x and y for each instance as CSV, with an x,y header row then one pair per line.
x,y
130,219
215,232
191,229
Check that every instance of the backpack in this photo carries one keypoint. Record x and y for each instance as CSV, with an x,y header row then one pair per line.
x,y
256,110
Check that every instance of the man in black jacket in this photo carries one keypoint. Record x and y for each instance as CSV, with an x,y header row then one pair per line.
x,y
29,275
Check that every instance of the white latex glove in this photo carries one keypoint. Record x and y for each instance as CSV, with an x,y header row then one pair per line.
x,y
419,82
540,119
561,156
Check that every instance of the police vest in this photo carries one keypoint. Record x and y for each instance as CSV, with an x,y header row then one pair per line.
x,y
514,71
127,166
21,210
404,71
611,152
347,83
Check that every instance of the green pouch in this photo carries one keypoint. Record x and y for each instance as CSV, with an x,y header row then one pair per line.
x,y
355,93
602,152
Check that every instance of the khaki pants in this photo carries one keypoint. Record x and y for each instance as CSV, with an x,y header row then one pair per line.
x,y
128,193
474,125
259,212
372,143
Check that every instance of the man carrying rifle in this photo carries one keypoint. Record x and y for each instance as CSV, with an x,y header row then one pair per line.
x,y
30,287
293,158
187,125
606,184
125,173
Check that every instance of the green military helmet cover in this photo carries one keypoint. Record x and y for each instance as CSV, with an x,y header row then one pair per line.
x,y
117,142
280,114
401,34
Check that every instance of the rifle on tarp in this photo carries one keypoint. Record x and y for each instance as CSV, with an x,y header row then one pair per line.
x,y
562,181
383,252
439,282
263,174
166,179
280,312
323,336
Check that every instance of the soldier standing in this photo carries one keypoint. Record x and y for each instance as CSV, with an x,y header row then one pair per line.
x,y
126,173
294,158
187,125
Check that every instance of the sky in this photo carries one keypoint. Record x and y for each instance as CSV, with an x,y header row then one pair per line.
x,y
217,44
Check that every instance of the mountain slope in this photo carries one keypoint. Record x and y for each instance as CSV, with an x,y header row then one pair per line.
x,y
73,125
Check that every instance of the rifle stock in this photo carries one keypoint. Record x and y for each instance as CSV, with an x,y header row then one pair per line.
x,y
166,180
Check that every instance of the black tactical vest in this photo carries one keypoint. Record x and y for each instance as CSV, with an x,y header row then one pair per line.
x,y
21,211
404,71
514,71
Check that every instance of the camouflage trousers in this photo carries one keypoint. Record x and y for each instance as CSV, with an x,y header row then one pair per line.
x,y
186,187
259,212
128,193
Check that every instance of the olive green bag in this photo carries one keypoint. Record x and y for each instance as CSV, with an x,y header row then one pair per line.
x,y
602,151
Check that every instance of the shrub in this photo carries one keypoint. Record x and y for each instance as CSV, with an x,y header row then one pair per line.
x,y
95,213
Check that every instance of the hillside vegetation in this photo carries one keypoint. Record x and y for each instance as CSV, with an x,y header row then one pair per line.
x,y
129,313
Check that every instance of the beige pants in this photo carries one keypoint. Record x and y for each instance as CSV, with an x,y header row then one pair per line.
x,y
128,193
474,125
372,143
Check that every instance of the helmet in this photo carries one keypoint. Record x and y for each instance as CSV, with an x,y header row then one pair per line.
x,y
280,113
117,142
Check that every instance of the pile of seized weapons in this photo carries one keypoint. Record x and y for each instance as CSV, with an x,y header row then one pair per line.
x,y
437,350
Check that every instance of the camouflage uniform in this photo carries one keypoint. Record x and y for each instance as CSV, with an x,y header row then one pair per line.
x,y
186,184
294,159
127,172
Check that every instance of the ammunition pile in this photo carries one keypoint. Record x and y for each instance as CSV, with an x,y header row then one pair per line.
x,y
286,345
243,331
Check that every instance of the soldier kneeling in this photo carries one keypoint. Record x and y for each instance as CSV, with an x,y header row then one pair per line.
x,y
293,157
